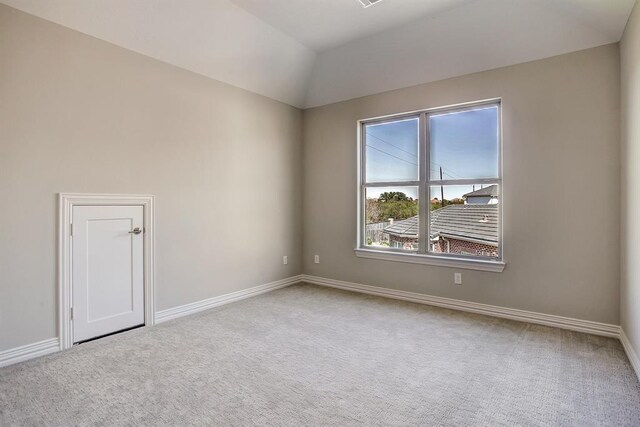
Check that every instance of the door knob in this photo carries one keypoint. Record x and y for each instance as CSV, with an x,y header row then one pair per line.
x,y
136,230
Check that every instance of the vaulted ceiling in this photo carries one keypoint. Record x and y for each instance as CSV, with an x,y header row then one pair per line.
x,y
310,53
325,24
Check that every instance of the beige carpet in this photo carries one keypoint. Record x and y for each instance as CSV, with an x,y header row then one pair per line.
x,y
306,355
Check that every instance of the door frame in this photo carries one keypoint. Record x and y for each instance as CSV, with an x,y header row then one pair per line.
x,y
66,202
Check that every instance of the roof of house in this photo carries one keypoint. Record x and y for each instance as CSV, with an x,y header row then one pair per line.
x,y
404,228
463,222
491,190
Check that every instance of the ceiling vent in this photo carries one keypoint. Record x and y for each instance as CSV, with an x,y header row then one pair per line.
x,y
367,3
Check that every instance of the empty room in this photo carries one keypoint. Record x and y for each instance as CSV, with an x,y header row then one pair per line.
x,y
314,213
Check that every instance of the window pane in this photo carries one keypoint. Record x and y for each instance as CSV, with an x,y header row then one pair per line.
x,y
468,222
391,217
392,151
464,144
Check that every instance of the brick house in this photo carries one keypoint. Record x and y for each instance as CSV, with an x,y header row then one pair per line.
x,y
470,229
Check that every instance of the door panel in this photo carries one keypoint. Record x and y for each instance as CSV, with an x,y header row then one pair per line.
x,y
107,275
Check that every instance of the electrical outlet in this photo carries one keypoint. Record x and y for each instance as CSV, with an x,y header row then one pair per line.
x,y
316,259
285,260
457,278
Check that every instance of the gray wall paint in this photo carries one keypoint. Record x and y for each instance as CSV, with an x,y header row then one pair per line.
x,y
225,166
561,142
630,277
80,115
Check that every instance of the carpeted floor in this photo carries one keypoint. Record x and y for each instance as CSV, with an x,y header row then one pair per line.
x,y
306,355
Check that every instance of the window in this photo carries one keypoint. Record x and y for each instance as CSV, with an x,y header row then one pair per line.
x,y
431,186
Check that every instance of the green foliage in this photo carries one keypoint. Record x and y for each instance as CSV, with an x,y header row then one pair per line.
x,y
398,210
394,196
437,204
393,204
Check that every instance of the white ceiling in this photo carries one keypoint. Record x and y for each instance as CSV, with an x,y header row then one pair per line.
x,y
323,24
310,53
481,35
215,38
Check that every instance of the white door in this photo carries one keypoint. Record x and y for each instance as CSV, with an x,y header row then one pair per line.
x,y
107,274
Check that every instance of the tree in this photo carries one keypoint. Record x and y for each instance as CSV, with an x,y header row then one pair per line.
x,y
437,204
392,204
398,210
373,211
396,205
394,196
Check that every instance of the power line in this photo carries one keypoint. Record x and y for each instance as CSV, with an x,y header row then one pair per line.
x,y
393,145
451,173
389,154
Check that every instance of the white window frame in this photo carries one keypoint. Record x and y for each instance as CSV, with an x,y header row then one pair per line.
x,y
423,255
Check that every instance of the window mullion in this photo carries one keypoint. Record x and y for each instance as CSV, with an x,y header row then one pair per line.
x,y
424,185
423,203
362,160
465,181
392,184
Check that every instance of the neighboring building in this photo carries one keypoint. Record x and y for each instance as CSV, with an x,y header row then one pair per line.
x,y
484,196
403,234
470,229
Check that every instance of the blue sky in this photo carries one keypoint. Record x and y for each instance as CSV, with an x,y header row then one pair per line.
x,y
464,144
392,151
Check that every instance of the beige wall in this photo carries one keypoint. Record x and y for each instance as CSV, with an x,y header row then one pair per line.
x,y
561,187
81,115
630,277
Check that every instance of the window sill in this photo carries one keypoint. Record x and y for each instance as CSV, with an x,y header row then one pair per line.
x,y
413,258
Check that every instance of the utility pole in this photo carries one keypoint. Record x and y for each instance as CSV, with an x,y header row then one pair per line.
x,y
441,188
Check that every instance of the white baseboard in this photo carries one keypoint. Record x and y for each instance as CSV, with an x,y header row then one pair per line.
x,y
29,351
578,325
631,353
195,307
